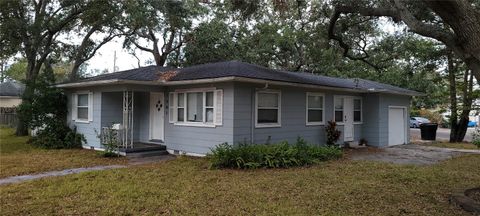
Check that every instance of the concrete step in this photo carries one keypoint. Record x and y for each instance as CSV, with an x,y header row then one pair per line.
x,y
144,154
144,148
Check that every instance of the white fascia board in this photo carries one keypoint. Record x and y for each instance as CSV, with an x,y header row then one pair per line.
x,y
226,79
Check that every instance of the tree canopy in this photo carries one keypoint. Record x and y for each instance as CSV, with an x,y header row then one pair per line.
x,y
403,43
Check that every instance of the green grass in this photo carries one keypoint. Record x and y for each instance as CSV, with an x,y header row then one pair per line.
x,y
186,186
19,158
10,143
462,145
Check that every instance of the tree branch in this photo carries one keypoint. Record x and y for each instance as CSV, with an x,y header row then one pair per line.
x,y
331,34
141,47
422,28
399,13
167,47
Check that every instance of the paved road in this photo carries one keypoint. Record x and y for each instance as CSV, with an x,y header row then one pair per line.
x,y
442,134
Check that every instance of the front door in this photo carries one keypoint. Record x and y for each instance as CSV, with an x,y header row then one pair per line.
x,y
157,106
397,128
348,119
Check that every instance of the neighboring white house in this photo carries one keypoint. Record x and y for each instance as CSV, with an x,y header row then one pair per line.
x,y
11,93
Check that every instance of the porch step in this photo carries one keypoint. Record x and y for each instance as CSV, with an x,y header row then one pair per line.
x,y
143,148
147,154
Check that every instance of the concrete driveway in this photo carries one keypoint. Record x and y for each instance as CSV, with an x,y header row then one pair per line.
x,y
443,134
409,154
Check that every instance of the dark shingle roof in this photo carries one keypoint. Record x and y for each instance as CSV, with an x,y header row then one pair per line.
x,y
11,88
241,69
245,70
148,73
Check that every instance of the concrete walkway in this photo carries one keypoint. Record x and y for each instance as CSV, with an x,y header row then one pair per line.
x,y
132,161
410,154
22,178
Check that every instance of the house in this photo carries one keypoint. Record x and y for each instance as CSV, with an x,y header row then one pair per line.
x,y
11,93
193,109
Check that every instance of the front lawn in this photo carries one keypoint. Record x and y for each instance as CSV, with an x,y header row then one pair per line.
x,y
462,145
19,158
186,186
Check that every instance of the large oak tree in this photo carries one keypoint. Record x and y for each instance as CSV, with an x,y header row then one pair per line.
x,y
158,27
35,29
455,23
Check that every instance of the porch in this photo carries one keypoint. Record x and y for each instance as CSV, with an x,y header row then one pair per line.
x,y
133,121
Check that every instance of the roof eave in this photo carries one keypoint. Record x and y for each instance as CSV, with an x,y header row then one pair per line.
x,y
417,94
105,82
225,79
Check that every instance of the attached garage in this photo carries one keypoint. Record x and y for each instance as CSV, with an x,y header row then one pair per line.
x,y
397,125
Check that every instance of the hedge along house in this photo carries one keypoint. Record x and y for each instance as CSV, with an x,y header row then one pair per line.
x,y
193,109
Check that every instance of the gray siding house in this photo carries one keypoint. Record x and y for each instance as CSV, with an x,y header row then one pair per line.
x,y
191,110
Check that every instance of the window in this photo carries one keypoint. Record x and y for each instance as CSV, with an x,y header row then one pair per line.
x,y
209,106
338,109
315,109
357,110
354,108
82,107
181,107
196,107
268,108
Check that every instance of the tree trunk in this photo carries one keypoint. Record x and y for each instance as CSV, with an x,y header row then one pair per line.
x,y
74,72
22,128
159,59
2,70
461,127
453,97
463,18
474,66
32,71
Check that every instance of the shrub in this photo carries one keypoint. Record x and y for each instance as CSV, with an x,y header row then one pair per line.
x,y
109,140
47,112
279,155
332,133
57,136
74,139
476,137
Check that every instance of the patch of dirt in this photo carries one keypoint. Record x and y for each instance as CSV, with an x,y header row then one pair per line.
x,y
474,194
469,200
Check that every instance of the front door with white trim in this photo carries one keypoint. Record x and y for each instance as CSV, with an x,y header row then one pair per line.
x,y
157,112
348,119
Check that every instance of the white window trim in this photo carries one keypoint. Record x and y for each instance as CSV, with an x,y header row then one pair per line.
x,y
353,97
195,90
194,124
279,108
335,97
89,107
361,110
323,109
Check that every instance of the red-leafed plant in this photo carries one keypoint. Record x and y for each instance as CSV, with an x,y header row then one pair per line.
x,y
332,133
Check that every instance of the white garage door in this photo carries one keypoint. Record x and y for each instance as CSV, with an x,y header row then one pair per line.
x,y
397,126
